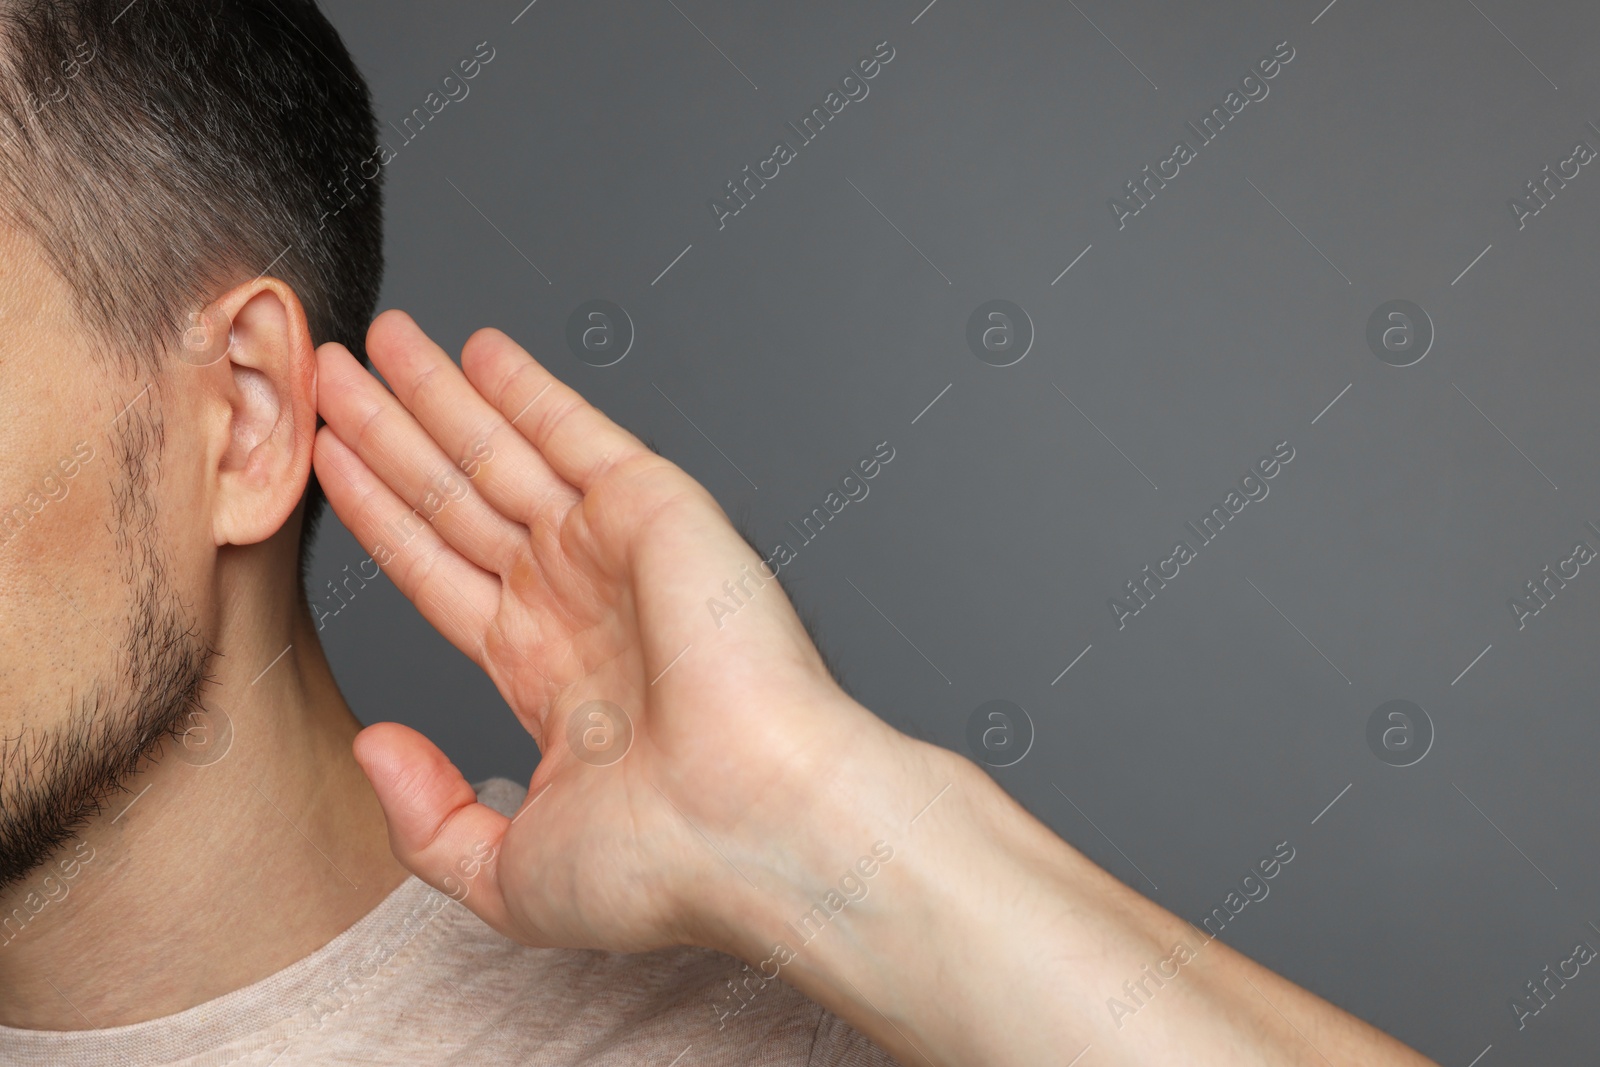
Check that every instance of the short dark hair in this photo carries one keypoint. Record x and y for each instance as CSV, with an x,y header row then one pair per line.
x,y
160,151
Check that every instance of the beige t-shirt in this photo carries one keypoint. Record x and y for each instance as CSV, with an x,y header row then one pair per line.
x,y
421,980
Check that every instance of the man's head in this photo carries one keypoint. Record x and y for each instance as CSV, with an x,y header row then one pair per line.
x,y
189,203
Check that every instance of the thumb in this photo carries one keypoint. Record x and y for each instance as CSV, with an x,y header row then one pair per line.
x,y
437,828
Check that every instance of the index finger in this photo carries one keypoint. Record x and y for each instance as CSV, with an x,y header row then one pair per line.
x,y
518,482
578,441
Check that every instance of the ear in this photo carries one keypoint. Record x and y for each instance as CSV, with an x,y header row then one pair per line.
x,y
257,353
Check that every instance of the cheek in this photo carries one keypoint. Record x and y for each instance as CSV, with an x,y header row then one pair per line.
x,y
63,610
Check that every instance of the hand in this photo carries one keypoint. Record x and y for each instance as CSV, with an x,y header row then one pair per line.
x,y
574,565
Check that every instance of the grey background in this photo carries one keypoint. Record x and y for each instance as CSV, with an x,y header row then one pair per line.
x,y
827,316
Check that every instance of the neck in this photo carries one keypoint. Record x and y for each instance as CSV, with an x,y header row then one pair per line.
x,y
215,842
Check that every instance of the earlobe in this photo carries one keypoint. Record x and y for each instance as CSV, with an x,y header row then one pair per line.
x,y
265,374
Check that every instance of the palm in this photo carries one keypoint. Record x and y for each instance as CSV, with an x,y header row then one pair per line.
x,y
622,679
575,568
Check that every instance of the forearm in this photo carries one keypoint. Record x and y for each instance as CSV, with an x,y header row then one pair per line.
x,y
985,939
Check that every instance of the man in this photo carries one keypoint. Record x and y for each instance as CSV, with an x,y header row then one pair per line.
x,y
203,859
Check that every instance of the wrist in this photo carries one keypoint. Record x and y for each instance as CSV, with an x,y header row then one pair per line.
x,y
904,878
836,817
